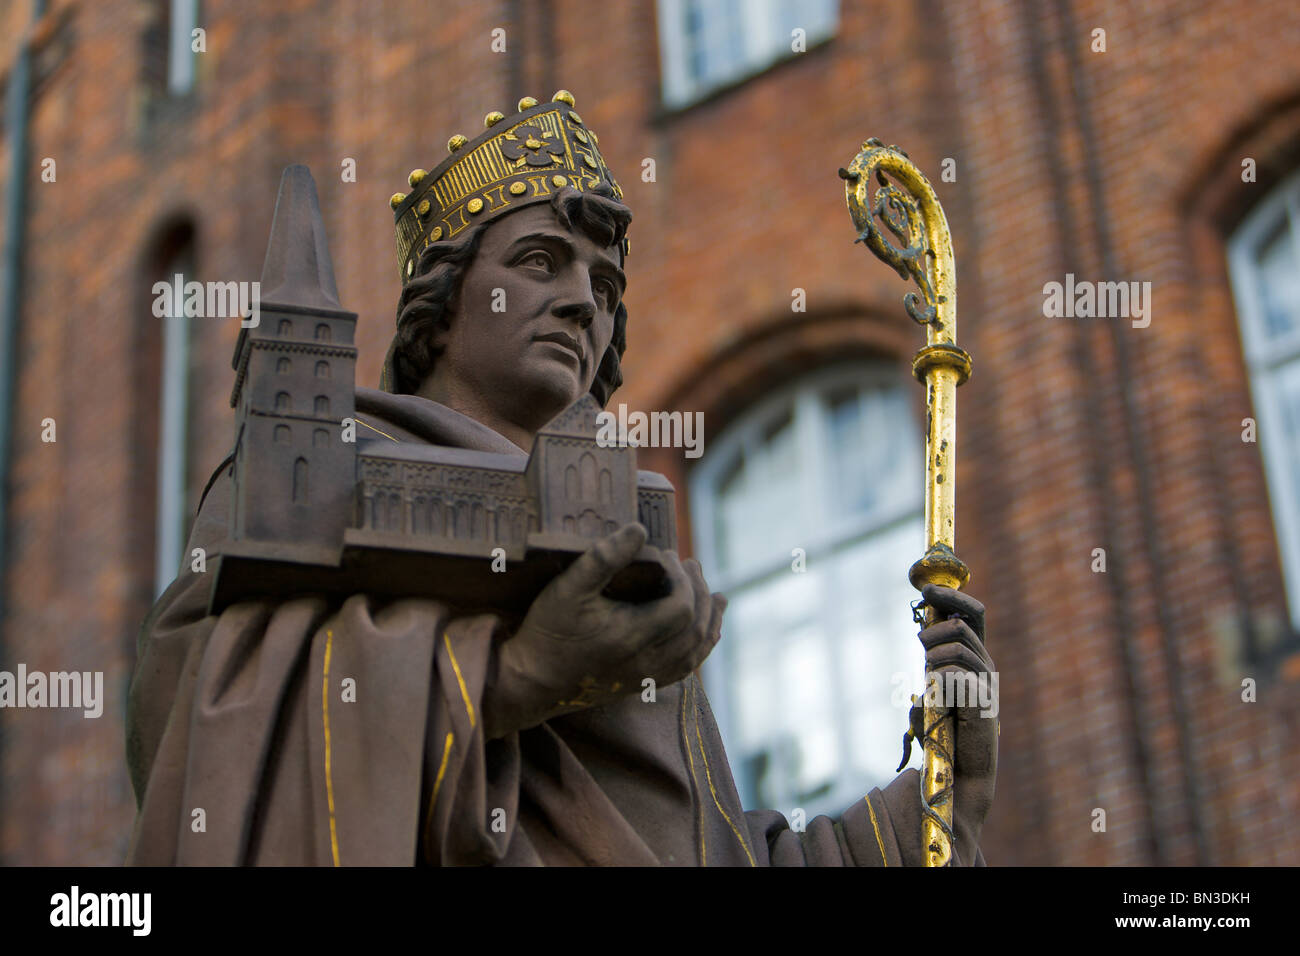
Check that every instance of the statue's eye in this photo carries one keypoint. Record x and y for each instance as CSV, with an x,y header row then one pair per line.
x,y
537,259
610,292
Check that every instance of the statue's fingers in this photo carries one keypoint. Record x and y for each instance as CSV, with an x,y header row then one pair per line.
x,y
955,654
651,625
969,692
679,581
956,631
596,566
948,601
689,647
668,661
717,609
703,599
654,622
710,635
976,747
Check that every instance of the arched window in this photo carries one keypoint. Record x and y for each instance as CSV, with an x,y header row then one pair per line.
x,y
286,327
322,405
161,396
322,369
808,512
283,403
323,332
282,366
1264,258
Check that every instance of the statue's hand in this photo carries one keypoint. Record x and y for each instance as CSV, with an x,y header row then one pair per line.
x,y
577,648
955,643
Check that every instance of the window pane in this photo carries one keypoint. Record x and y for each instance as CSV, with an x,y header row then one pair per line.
x,y
807,714
715,40
851,492
172,428
772,640
761,619
882,657
1279,283
728,40
815,17
876,466
180,61
763,501
1288,399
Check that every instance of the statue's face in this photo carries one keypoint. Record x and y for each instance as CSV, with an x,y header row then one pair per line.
x,y
531,322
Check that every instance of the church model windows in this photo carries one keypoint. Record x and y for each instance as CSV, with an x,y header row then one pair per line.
x,y
300,481
587,487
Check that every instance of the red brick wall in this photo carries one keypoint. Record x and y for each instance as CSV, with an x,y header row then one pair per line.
x,y
1074,434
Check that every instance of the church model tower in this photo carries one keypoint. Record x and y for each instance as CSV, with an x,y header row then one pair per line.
x,y
316,510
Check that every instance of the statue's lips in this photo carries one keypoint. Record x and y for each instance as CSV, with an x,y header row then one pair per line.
x,y
562,339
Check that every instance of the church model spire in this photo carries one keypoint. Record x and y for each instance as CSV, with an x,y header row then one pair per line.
x,y
295,373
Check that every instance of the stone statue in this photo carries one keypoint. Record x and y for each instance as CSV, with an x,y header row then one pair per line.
x,y
354,683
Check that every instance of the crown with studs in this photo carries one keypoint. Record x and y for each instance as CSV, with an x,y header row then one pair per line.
x,y
519,160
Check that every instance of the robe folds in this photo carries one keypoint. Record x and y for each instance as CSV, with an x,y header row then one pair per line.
x,y
245,746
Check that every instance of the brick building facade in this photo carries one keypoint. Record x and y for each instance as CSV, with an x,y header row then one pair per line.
x,y
1121,689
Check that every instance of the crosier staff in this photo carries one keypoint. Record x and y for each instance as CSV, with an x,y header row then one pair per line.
x,y
913,215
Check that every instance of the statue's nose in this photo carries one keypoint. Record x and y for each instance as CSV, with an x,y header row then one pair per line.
x,y
577,308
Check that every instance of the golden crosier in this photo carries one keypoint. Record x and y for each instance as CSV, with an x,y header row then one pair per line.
x,y
905,202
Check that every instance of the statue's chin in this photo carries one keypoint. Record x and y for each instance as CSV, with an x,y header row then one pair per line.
x,y
544,397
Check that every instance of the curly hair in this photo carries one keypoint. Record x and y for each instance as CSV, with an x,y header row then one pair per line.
x,y
422,308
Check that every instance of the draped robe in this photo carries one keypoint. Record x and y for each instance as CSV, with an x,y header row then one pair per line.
x,y
245,746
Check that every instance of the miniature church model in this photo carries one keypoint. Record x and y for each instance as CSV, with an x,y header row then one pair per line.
x,y
316,510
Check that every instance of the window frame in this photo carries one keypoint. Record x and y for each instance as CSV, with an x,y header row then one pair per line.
x,y
1264,361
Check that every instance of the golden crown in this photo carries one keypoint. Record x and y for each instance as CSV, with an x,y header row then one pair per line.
x,y
518,160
